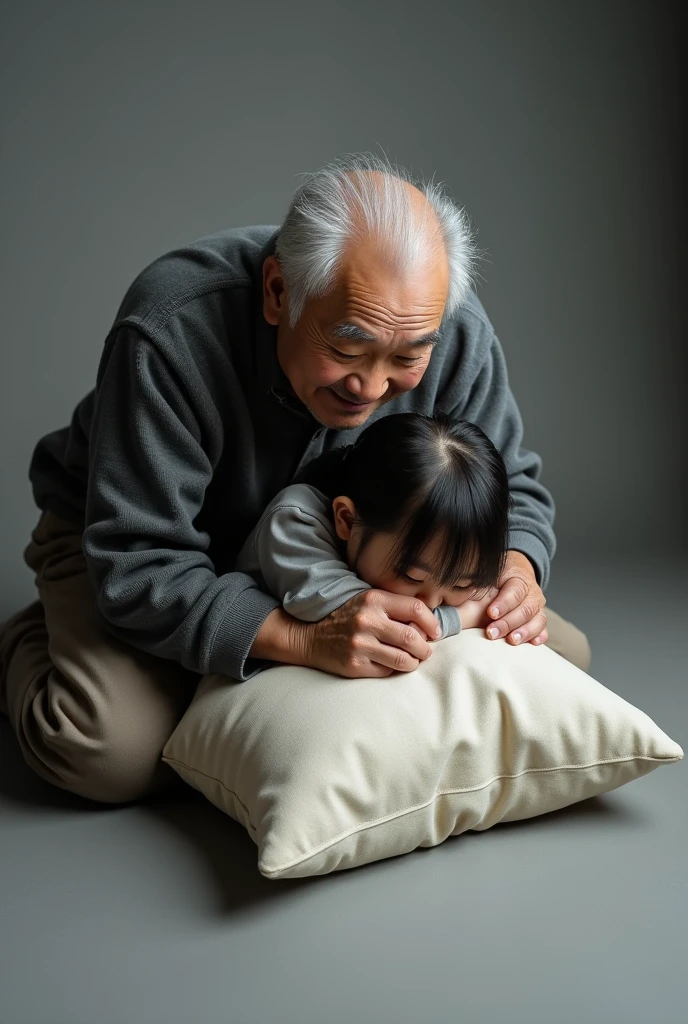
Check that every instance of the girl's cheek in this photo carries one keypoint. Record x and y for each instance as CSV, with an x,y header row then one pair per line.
x,y
396,586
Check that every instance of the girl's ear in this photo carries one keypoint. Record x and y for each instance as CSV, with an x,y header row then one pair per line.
x,y
344,514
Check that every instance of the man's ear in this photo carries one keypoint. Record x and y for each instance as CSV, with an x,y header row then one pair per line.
x,y
274,294
344,513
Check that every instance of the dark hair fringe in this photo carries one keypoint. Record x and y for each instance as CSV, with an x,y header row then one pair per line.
x,y
424,477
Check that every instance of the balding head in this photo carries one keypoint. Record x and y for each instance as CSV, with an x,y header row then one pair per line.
x,y
361,196
364,273
395,216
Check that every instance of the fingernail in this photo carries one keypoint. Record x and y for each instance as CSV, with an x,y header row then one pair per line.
x,y
493,633
438,632
494,611
517,637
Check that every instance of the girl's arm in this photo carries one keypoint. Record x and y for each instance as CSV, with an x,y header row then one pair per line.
x,y
295,549
472,613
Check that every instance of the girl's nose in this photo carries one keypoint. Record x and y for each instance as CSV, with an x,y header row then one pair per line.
x,y
430,596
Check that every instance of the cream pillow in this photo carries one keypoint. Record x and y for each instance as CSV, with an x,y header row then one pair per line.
x,y
328,773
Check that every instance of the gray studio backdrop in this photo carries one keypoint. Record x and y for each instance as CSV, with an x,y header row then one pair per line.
x,y
129,128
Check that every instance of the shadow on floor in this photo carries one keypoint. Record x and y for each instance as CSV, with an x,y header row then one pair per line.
x,y
223,844
225,847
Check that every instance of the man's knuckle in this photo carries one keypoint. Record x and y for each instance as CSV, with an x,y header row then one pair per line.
x,y
400,660
360,621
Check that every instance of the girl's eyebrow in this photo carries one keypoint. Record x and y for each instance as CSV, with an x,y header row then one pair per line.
x,y
351,332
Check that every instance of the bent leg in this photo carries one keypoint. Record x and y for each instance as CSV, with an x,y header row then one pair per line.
x,y
567,640
91,713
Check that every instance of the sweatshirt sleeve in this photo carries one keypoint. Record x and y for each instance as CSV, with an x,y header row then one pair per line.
x,y
300,564
491,404
449,619
154,584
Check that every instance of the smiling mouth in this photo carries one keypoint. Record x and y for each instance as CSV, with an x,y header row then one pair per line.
x,y
348,403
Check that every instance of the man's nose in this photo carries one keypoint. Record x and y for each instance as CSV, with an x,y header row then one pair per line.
x,y
369,387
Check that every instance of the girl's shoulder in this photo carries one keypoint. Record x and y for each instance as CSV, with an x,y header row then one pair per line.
x,y
298,518
301,497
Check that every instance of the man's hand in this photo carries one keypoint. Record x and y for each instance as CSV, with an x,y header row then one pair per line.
x,y
374,634
518,609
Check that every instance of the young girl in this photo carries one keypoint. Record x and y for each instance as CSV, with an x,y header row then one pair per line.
x,y
417,505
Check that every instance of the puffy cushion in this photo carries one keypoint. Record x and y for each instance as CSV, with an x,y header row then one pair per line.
x,y
328,773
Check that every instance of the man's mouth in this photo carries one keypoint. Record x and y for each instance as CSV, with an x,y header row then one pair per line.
x,y
345,403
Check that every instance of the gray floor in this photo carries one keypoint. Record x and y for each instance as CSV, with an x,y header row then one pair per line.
x,y
157,913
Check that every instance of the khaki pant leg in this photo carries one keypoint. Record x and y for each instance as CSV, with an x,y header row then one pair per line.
x,y
567,640
91,713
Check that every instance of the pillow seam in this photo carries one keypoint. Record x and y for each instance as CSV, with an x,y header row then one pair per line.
x,y
418,807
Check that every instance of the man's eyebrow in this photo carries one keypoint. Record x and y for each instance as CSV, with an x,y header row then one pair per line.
x,y
350,332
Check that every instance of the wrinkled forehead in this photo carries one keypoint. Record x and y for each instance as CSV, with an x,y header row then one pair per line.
x,y
374,290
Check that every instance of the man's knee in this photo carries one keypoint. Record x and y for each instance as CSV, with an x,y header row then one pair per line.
x,y
104,748
579,652
95,753
568,640
125,769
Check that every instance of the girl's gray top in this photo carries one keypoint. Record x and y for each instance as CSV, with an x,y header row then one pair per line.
x,y
294,554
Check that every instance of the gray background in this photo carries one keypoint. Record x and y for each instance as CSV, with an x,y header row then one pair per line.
x,y
131,128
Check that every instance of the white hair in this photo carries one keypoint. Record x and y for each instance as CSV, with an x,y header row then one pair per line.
x,y
334,206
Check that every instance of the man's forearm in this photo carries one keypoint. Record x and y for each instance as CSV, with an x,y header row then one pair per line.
x,y
282,638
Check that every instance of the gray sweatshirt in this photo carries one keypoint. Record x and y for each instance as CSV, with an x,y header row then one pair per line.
x,y
191,430
294,553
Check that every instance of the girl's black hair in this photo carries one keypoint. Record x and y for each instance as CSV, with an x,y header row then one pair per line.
x,y
425,476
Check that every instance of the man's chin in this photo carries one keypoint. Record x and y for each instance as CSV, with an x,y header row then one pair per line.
x,y
345,422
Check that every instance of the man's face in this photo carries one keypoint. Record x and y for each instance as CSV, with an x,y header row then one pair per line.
x,y
366,342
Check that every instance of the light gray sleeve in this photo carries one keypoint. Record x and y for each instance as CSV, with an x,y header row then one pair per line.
x,y
297,555
449,619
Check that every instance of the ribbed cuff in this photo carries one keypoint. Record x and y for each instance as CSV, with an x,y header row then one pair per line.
x,y
531,546
449,619
234,638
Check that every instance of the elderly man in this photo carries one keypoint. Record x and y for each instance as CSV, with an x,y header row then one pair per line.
x,y
231,363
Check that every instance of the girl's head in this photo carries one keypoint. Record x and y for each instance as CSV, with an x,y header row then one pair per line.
x,y
421,504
